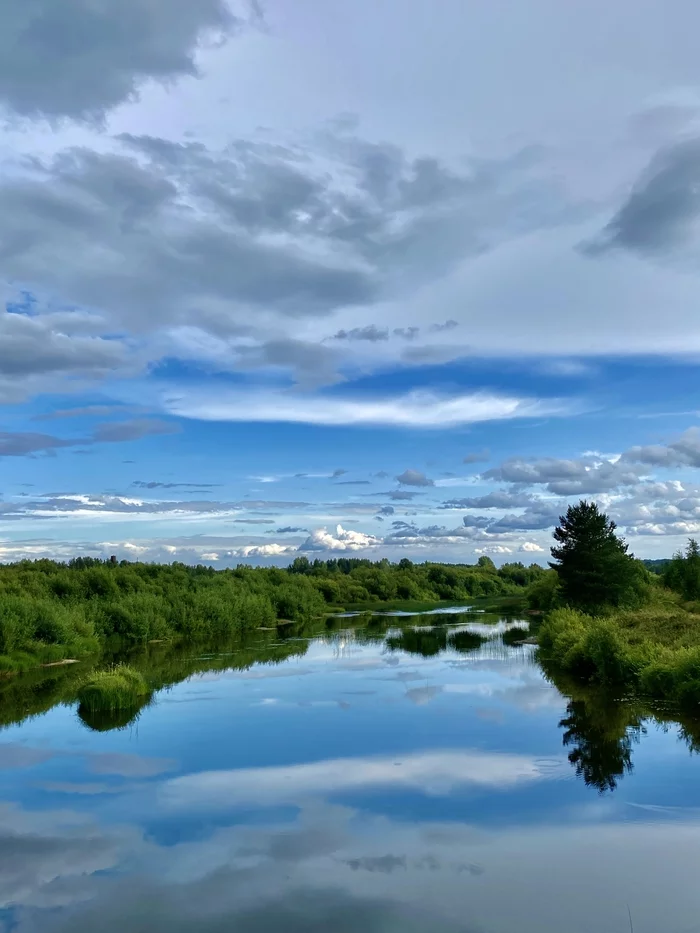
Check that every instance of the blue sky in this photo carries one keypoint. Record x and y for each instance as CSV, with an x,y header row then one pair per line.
x,y
398,279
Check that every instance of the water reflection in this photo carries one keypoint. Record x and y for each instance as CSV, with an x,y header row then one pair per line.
x,y
393,777
601,741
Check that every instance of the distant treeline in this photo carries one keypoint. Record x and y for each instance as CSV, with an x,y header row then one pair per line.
x,y
50,610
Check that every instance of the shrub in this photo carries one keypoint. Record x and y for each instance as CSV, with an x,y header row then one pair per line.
x,y
120,688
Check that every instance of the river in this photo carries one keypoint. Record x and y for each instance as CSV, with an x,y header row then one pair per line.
x,y
388,774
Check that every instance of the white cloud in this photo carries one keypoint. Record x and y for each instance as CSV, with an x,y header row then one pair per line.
x,y
417,409
436,773
530,547
342,540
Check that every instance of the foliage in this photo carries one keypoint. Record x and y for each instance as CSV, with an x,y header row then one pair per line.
x,y
682,574
544,595
120,688
592,562
655,651
50,610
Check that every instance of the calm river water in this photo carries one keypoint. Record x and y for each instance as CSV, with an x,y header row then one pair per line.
x,y
414,774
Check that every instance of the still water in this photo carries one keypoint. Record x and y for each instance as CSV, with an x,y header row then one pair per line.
x,y
403,775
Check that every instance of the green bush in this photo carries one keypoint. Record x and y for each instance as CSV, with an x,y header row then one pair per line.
x,y
645,651
120,688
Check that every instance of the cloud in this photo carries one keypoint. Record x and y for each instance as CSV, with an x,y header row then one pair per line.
x,y
230,255
46,861
587,475
264,550
39,353
290,530
387,510
685,451
445,326
477,456
660,214
342,540
498,499
435,773
531,547
370,333
85,411
20,444
156,485
417,409
414,478
129,766
81,59
119,432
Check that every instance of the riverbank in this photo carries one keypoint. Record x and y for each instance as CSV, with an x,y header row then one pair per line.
x,y
653,651
50,611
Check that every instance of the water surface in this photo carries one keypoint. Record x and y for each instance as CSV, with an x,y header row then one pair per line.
x,y
402,776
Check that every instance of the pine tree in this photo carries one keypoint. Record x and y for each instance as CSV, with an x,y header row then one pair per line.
x,y
594,567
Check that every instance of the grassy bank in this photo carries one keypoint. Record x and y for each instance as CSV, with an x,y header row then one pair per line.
x,y
653,650
51,611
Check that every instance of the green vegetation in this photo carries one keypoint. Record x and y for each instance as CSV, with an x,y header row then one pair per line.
x,y
613,624
119,688
592,563
50,611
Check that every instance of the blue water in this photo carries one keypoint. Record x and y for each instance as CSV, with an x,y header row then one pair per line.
x,y
356,788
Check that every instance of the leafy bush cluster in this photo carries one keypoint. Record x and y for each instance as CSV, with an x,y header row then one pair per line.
x,y
655,651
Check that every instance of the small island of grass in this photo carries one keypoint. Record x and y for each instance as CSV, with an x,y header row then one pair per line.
x,y
116,689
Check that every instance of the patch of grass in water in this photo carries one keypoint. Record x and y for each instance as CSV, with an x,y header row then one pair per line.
x,y
120,688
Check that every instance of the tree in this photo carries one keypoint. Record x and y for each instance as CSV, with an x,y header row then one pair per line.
x,y
683,573
592,562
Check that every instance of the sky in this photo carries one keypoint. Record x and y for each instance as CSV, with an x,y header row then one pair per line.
x,y
390,278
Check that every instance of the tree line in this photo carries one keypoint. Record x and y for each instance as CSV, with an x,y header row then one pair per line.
x,y
51,609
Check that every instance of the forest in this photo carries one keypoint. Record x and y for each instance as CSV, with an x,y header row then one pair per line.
x,y
50,611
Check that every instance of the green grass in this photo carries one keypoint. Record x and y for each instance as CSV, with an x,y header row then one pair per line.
x,y
654,651
120,688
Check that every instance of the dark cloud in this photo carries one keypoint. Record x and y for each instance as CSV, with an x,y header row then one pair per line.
x,y
398,495
370,332
336,473
414,478
410,531
87,411
80,58
118,432
660,213
290,530
311,362
536,517
441,328
154,485
34,348
387,510
20,444
685,451
157,234
478,456
354,482
406,333
499,499
585,476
